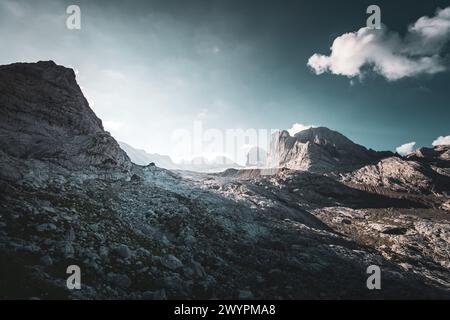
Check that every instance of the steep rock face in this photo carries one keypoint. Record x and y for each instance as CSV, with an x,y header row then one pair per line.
x,y
401,175
46,117
318,150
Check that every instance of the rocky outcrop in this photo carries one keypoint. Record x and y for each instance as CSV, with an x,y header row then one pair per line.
x,y
431,155
405,175
437,158
45,117
319,150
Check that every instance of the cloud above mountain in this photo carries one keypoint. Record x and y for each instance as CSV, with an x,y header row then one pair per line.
x,y
387,53
406,148
297,127
441,141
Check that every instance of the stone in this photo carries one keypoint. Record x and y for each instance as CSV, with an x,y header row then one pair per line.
x,y
171,262
143,252
123,251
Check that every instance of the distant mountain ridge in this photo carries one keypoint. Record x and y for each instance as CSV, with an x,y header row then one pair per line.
x,y
142,158
199,164
321,150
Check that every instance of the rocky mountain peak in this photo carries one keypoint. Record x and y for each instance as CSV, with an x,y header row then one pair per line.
x,y
46,116
325,137
318,150
283,134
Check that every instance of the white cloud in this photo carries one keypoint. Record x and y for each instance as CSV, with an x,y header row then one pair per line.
x,y
297,127
442,141
406,148
387,53
433,31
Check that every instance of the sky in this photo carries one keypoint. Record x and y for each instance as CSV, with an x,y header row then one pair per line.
x,y
161,74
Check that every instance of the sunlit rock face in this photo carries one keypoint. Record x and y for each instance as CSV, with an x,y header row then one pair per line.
x,y
319,150
402,175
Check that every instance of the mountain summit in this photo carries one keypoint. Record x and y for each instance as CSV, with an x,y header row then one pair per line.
x,y
319,150
46,117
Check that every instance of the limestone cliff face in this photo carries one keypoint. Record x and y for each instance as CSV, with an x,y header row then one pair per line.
x,y
319,150
46,117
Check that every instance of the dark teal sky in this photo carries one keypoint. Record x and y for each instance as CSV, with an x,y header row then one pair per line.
x,y
150,67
